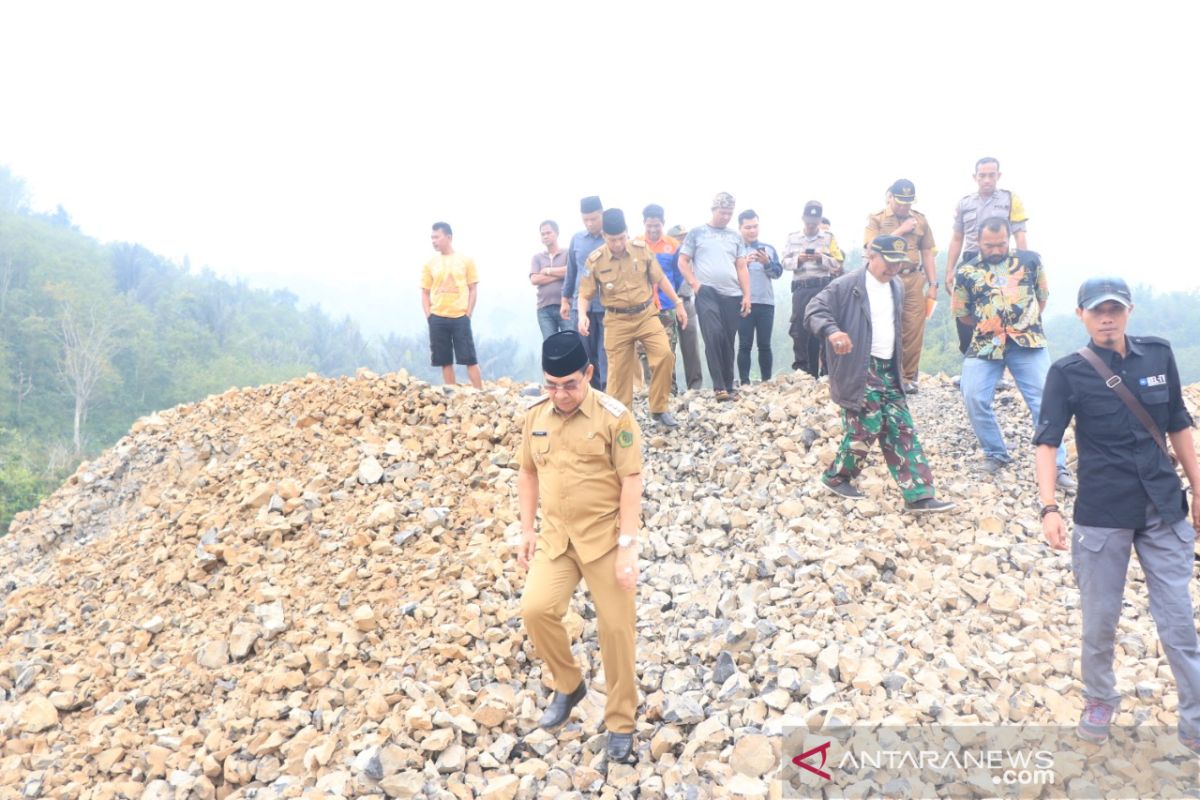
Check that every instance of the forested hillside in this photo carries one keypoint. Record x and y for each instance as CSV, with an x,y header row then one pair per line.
x,y
94,335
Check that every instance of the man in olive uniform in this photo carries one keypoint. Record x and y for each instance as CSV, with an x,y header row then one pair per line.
x,y
624,275
814,258
918,275
585,450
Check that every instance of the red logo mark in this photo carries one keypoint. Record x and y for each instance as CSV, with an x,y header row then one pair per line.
x,y
823,749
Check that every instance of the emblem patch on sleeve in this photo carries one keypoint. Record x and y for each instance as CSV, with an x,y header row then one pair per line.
x,y
625,438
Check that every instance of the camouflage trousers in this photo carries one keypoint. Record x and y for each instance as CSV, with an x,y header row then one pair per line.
x,y
884,416
671,326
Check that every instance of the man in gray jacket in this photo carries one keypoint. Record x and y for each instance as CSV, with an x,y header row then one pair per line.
x,y
858,315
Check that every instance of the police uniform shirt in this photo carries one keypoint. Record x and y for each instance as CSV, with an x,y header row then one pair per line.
x,y
918,239
580,461
623,281
975,208
1121,467
823,243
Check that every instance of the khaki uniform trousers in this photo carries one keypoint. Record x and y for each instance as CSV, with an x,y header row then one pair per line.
x,y
621,331
912,323
548,591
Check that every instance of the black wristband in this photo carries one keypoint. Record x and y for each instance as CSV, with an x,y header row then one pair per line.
x,y
1050,509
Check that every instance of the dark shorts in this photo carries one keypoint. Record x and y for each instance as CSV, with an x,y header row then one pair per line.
x,y
450,341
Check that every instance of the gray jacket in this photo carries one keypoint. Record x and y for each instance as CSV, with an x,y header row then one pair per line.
x,y
842,306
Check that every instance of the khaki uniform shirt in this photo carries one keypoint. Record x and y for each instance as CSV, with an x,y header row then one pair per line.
x,y
921,238
580,462
621,281
830,263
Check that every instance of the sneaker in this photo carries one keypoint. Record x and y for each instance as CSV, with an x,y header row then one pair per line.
x,y
721,396
910,387
991,465
928,505
1004,384
841,487
1094,722
1065,481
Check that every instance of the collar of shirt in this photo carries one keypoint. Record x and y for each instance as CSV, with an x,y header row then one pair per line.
x,y
1110,357
666,245
587,408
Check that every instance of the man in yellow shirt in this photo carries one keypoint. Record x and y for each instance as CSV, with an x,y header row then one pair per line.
x,y
448,284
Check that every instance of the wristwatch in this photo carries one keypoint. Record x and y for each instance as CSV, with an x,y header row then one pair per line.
x,y
626,540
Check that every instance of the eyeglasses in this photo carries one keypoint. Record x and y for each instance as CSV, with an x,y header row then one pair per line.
x,y
569,386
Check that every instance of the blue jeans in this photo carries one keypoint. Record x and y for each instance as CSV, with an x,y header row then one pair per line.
x,y
1029,367
594,343
551,322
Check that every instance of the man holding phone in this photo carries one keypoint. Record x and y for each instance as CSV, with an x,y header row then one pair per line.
x,y
814,257
763,264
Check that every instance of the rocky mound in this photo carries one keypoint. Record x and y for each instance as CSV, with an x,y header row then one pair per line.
x,y
308,590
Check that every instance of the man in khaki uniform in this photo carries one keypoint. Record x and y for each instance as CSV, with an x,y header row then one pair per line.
x,y
624,276
918,276
582,452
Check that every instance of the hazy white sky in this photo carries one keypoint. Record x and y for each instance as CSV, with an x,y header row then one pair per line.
x,y
312,145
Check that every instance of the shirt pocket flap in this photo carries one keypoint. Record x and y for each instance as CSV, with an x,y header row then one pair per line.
x,y
1155,396
541,444
591,447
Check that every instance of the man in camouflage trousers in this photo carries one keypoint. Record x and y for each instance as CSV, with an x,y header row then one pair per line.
x,y
859,317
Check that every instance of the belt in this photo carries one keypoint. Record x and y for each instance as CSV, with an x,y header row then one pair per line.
x,y
630,309
808,283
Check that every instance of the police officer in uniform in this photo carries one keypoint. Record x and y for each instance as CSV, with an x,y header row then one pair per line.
x,y
814,258
990,201
624,275
581,452
1129,496
918,275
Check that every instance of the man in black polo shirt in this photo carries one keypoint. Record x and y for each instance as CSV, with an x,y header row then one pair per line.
x,y
1129,495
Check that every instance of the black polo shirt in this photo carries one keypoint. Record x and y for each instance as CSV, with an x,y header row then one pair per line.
x,y
1121,467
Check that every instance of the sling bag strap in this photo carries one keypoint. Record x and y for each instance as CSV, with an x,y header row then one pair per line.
x,y
1114,382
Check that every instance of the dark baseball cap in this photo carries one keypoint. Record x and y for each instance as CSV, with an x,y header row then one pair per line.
x,y
813,210
1095,291
892,248
904,191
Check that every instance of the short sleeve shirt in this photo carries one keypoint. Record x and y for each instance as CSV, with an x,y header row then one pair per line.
x,y
1121,468
973,209
1005,300
821,243
714,253
920,238
448,279
622,281
580,461
548,294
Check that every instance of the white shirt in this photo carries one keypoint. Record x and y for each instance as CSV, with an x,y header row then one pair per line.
x,y
883,317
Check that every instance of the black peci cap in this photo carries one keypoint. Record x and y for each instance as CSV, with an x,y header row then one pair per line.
x,y
563,354
614,221
589,204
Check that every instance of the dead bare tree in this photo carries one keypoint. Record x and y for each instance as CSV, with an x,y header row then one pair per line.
x,y
88,340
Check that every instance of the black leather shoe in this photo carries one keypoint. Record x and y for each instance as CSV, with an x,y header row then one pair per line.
x,y
560,707
665,418
620,748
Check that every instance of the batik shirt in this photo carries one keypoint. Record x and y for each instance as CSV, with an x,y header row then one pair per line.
x,y
1005,300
